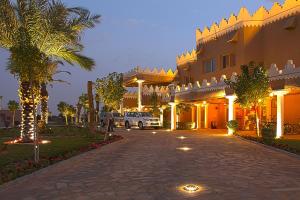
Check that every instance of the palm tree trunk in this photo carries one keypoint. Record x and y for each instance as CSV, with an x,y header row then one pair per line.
x,y
27,106
91,107
13,118
44,103
66,119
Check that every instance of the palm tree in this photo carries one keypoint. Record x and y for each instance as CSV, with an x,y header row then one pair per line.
x,y
13,106
72,113
63,109
38,33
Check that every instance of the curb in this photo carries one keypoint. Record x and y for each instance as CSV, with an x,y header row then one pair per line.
x,y
270,147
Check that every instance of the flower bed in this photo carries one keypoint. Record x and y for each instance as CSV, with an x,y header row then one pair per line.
x,y
20,168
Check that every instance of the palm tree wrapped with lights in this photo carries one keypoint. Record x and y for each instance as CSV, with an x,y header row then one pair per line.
x,y
39,33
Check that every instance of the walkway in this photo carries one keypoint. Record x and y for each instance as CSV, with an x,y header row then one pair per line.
x,y
147,166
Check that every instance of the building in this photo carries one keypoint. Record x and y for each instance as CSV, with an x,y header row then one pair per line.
x,y
271,37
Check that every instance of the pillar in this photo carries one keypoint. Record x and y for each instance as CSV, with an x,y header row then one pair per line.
x,y
140,93
161,116
231,113
173,116
198,116
280,113
193,117
205,105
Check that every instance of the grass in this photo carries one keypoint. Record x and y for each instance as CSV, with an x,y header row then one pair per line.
x,y
65,142
290,145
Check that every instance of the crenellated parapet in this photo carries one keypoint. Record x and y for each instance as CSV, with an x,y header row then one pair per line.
x,y
148,71
187,57
290,71
261,17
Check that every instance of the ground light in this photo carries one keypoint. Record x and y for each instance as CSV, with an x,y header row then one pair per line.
x,y
181,137
128,130
154,132
190,188
184,148
18,141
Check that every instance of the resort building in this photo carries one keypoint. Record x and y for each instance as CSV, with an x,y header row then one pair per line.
x,y
270,37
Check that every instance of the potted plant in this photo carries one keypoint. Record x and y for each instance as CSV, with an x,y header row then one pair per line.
x,y
268,132
233,125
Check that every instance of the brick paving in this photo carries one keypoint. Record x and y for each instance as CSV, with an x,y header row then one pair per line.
x,y
147,166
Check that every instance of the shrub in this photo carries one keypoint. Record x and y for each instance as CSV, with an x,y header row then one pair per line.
x,y
268,133
233,125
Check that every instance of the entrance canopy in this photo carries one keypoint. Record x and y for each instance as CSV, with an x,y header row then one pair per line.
x,y
149,77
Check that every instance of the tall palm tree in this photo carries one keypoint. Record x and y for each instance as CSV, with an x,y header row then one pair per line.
x,y
13,106
38,33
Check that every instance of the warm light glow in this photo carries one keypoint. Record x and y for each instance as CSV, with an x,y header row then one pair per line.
x,y
128,130
173,116
168,130
184,148
191,188
181,137
231,100
45,141
154,132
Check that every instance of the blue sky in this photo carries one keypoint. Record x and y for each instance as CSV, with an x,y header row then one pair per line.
x,y
133,32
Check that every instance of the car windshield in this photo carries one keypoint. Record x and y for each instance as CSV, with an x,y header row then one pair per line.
x,y
145,114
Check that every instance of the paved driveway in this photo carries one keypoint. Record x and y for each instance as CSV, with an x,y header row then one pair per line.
x,y
146,166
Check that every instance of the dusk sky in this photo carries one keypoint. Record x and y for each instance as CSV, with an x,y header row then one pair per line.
x,y
133,32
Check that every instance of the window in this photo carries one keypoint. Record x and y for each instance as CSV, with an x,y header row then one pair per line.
x,y
228,61
209,65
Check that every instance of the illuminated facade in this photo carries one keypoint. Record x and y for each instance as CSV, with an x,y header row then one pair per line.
x,y
266,36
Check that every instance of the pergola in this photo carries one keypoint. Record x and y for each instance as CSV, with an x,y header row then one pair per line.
x,y
139,76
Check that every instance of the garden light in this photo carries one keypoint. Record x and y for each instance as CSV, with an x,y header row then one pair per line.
x,y
181,137
191,188
184,148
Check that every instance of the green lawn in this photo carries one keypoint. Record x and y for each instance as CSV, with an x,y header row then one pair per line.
x,y
294,144
65,142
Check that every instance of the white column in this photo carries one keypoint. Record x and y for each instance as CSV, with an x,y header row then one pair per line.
x,y
280,112
173,116
161,116
198,114
231,113
205,105
140,91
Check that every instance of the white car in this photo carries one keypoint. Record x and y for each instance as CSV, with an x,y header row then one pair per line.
x,y
141,120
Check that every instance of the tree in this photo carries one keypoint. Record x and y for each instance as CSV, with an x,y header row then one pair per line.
x,y
154,104
251,87
111,90
13,106
38,33
64,109
82,103
71,113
